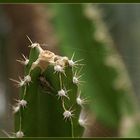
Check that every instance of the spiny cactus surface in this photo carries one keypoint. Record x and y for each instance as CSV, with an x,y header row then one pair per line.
x,y
50,100
80,27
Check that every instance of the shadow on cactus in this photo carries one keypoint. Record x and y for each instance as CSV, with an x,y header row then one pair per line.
x,y
50,100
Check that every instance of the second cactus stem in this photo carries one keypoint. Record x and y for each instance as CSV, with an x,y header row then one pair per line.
x,y
50,99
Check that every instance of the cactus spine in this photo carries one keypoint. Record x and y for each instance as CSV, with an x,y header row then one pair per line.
x,y
50,100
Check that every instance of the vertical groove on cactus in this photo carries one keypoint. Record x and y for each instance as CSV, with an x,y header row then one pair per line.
x,y
49,97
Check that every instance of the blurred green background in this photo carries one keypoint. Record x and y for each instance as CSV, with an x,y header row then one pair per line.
x,y
106,36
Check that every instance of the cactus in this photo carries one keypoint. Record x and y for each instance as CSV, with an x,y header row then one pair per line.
x,y
80,29
50,99
50,89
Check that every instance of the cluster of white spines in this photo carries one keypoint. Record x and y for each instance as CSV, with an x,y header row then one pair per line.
x,y
19,134
68,114
22,82
73,63
81,101
77,77
63,93
58,68
20,103
25,61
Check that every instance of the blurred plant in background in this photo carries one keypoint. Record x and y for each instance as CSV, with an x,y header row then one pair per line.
x,y
67,28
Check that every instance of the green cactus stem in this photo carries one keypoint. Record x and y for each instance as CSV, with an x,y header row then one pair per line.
x,y
80,28
50,100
